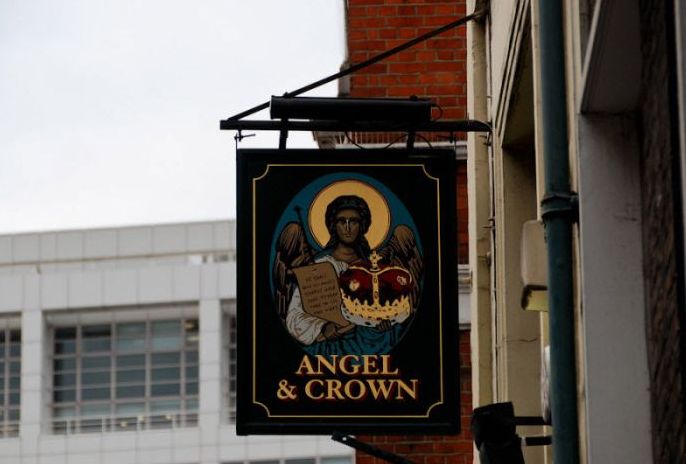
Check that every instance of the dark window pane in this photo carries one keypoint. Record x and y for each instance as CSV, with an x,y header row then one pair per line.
x,y
14,398
135,375
191,372
95,362
191,388
65,364
63,396
95,409
96,331
337,460
165,406
64,380
300,461
129,409
15,367
13,415
65,333
96,344
95,394
165,389
191,405
15,383
130,344
191,357
131,392
131,330
95,378
166,328
165,358
15,349
131,360
166,373
65,347
15,335
166,343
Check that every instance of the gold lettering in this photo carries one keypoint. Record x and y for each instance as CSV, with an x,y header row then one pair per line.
x,y
346,365
381,388
370,366
330,365
361,389
412,391
334,389
308,389
386,365
305,367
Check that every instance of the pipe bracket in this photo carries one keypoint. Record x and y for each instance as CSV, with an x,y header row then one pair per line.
x,y
561,204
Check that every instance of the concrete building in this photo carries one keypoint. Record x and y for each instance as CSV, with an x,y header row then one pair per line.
x,y
596,89
118,346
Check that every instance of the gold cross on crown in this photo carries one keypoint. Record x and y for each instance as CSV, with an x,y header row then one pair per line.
x,y
374,258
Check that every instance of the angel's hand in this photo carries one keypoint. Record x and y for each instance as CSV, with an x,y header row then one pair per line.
x,y
330,331
384,326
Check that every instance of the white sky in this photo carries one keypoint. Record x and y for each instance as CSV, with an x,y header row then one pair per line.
x,y
110,109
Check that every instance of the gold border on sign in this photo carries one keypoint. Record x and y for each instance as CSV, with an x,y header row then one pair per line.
x,y
254,297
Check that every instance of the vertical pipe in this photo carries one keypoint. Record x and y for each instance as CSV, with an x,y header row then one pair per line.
x,y
558,217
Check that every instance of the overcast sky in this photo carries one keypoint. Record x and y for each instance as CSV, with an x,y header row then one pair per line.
x,y
110,109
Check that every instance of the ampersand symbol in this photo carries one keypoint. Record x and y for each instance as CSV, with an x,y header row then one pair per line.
x,y
286,392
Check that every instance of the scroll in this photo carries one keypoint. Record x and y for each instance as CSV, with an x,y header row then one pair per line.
x,y
320,293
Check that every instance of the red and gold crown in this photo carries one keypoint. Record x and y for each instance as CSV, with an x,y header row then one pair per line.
x,y
373,293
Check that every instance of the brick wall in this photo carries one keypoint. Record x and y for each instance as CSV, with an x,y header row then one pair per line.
x,y
661,237
433,69
428,449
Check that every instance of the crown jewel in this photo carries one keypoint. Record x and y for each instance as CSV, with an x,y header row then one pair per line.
x,y
374,293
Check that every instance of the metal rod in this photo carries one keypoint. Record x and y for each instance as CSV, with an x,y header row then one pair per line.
x,y
369,449
537,441
558,227
373,60
529,420
466,125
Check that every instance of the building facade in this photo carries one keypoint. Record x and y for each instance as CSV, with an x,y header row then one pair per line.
x,y
619,119
118,346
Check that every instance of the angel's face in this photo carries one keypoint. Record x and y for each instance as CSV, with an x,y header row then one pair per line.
x,y
348,226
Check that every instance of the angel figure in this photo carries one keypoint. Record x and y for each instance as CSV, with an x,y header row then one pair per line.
x,y
348,219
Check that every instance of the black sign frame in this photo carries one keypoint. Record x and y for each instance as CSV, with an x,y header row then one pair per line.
x,y
411,388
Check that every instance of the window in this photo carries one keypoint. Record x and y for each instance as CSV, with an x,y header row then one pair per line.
x,y
10,381
320,460
230,386
125,376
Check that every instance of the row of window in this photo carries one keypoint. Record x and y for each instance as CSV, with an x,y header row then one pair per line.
x,y
116,376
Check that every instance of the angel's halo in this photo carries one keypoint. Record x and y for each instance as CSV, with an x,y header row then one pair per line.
x,y
378,207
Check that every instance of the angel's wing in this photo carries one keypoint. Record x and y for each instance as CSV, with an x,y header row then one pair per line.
x,y
292,250
401,250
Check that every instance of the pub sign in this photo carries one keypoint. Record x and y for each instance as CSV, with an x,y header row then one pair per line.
x,y
347,296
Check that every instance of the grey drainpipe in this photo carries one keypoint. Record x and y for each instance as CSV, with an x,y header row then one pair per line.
x,y
558,207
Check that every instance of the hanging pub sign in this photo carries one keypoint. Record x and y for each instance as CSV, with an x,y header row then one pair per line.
x,y
347,295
